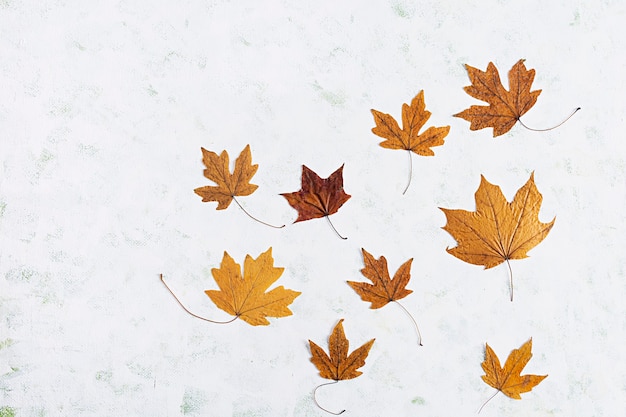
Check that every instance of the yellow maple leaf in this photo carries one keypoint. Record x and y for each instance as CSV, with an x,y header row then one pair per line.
x,y
508,379
498,230
414,117
228,185
245,297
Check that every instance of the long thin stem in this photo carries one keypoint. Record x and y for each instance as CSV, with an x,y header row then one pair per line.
x,y
485,403
419,335
254,218
318,404
550,128
510,278
410,172
195,315
331,225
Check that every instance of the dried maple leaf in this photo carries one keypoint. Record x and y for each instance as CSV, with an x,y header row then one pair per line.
x,y
228,185
498,230
508,379
414,117
245,297
505,107
339,365
318,197
384,288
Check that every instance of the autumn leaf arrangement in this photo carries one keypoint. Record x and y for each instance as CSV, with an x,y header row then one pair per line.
x,y
497,232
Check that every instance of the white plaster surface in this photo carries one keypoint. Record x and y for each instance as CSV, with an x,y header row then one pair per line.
x,y
104,107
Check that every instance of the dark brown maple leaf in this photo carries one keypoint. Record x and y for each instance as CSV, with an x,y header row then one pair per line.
x,y
318,197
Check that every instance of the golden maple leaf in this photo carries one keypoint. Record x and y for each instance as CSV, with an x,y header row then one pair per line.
x,y
509,380
505,107
498,230
414,117
245,297
228,185
339,365
384,289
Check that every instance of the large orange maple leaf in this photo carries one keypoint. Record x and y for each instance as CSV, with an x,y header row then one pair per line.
x,y
498,230
505,107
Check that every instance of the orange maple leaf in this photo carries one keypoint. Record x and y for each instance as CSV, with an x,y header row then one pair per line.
x,y
245,297
228,185
318,197
498,230
384,289
414,117
508,379
505,107
339,365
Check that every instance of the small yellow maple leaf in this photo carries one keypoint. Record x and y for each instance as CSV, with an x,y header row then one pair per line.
x,y
245,297
508,379
414,117
228,185
339,365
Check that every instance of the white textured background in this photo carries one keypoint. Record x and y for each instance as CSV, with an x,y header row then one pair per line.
x,y
104,108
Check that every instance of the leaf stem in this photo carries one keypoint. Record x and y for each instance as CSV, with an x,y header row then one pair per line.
x,y
410,172
254,218
510,278
195,315
331,225
419,335
550,128
485,403
318,404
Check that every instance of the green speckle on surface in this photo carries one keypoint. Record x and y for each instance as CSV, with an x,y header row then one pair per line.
x,y
7,412
104,375
335,99
6,343
140,370
193,400
87,149
46,156
152,91
401,11
251,413
418,401
3,207
332,98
